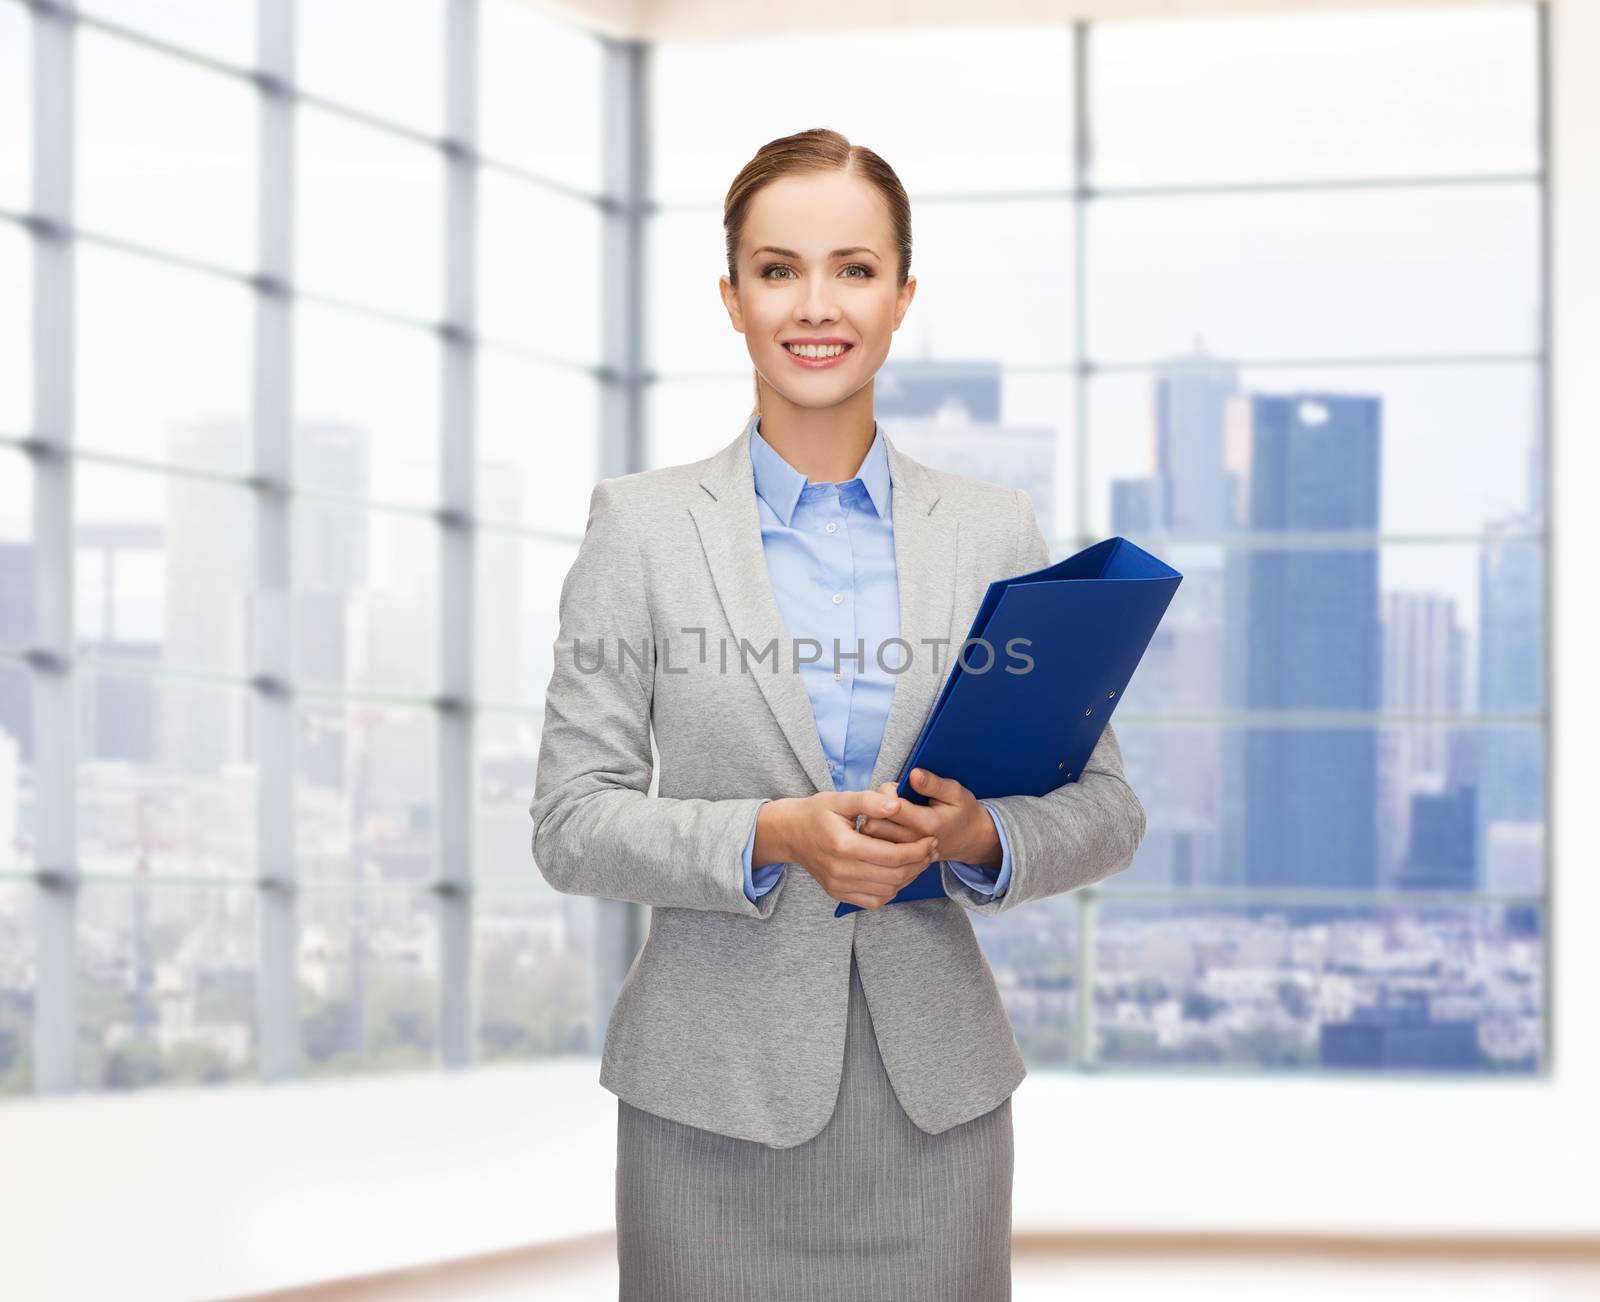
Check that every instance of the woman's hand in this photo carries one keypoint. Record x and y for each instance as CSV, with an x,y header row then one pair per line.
x,y
953,815
818,832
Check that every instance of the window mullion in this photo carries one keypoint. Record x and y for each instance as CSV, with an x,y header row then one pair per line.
x,y
458,460
55,728
272,411
620,927
1082,147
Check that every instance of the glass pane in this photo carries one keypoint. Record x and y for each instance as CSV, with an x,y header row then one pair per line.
x,y
508,758
16,549
366,603
1409,627
994,286
541,82
17,967
166,151
539,269
384,58
16,100
368,982
538,443
166,776
368,215
165,569
987,424
1444,449
366,406
689,419
519,591
1398,807
1033,953
533,959
364,809
1355,989
888,90
224,29
1429,92
163,366
166,985
687,327
16,773
16,330
1031,401
1351,274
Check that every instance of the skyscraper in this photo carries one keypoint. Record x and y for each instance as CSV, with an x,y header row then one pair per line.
x,y
1302,633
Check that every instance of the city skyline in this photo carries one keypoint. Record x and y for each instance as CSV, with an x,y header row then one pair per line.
x,y
1220,463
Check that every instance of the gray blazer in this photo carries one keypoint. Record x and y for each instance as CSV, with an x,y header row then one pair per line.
x,y
732,1016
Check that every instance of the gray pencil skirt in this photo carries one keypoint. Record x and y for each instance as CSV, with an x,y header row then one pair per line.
x,y
871,1209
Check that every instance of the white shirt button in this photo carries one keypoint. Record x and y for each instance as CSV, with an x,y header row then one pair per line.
x,y
837,598
831,525
838,674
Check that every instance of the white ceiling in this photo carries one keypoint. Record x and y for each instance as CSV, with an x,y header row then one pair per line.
x,y
656,20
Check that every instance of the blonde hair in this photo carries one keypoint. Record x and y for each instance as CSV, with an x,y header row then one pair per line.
x,y
805,152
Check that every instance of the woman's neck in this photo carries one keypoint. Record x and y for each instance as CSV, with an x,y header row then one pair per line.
x,y
825,444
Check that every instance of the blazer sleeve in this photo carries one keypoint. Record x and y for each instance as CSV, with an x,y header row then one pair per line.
x,y
596,831
1078,834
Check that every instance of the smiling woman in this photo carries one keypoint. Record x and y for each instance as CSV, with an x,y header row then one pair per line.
x,y
805,1102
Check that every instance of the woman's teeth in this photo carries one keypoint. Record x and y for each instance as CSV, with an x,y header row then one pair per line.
x,y
817,350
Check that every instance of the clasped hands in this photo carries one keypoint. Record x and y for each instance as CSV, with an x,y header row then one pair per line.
x,y
960,825
868,866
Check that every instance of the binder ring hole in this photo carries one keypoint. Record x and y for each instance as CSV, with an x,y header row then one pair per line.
x,y
1088,709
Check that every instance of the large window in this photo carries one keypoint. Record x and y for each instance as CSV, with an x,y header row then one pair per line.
x,y
293,456
1265,295
295,453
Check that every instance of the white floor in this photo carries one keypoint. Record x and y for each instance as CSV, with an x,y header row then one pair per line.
x,y
589,1274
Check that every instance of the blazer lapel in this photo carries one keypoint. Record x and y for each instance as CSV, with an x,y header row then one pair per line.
x,y
729,524
926,545
730,534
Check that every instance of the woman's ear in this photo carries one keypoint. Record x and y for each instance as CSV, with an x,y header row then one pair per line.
x,y
903,300
730,300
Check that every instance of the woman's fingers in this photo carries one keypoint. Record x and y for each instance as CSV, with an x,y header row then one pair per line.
x,y
934,787
887,884
869,865
889,854
882,829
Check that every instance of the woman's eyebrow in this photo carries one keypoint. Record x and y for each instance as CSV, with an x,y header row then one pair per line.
x,y
790,253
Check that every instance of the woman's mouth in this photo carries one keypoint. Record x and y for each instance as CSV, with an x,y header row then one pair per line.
x,y
817,357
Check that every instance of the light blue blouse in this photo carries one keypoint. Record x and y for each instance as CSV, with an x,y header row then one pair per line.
x,y
830,555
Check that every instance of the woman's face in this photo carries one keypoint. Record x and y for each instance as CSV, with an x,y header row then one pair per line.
x,y
817,261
